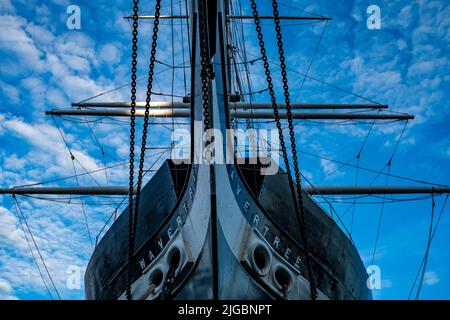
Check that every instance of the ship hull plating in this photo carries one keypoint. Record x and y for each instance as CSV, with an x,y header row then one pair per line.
x,y
257,256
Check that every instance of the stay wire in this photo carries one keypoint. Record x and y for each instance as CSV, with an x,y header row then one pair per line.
x,y
432,237
102,150
380,220
32,253
358,157
427,251
323,82
389,162
36,246
73,159
312,60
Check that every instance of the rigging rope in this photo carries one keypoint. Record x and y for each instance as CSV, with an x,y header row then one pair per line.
x,y
156,79
358,158
172,84
32,253
147,171
389,162
36,246
80,174
388,165
298,9
73,159
380,219
431,239
102,150
373,170
82,205
322,82
312,60
427,251
182,51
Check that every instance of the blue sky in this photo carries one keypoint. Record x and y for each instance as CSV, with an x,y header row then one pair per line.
x,y
44,65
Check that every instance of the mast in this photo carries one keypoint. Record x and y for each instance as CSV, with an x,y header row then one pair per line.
x,y
238,109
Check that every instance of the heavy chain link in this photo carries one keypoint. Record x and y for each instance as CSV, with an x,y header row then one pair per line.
x,y
133,216
132,136
205,66
293,145
298,201
147,110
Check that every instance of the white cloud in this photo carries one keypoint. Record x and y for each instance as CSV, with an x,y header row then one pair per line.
x,y
328,167
6,290
36,90
41,36
15,41
56,98
10,231
110,54
431,278
11,92
14,163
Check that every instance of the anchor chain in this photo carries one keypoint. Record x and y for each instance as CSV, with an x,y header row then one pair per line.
x,y
132,136
206,69
147,110
133,216
293,145
298,205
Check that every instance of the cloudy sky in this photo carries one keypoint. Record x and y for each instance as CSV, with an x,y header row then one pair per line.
x,y
45,65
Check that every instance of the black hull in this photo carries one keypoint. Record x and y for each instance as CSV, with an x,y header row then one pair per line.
x,y
255,223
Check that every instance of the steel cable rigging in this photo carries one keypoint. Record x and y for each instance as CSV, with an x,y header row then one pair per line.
x,y
320,81
73,159
427,250
430,239
389,166
311,61
36,246
31,251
